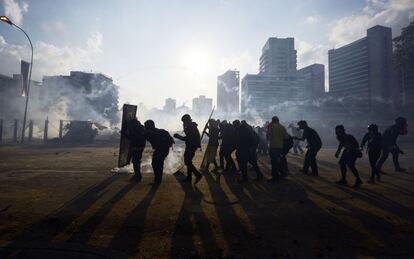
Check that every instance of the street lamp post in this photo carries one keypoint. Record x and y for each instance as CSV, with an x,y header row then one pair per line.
x,y
8,21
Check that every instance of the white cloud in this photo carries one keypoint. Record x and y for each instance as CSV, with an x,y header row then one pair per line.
x,y
54,27
48,58
392,13
311,19
15,10
95,42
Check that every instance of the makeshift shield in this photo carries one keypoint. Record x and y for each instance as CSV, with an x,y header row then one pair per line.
x,y
129,112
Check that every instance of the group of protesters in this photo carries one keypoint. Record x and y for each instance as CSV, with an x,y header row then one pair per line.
x,y
273,139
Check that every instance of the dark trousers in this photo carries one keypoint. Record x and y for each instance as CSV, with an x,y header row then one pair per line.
x,y
275,160
136,156
252,159
242,156
348,159
225,153
385,153
310,161
158,158
189,154
374,155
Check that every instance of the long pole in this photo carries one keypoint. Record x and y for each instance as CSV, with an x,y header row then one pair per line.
x,y
28,84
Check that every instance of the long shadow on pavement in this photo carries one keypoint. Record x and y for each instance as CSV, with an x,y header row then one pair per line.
x,y
182,239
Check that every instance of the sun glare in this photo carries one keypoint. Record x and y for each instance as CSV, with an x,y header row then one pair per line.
x,y
197,60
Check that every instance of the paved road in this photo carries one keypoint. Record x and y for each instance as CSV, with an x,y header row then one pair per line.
x,y
65,202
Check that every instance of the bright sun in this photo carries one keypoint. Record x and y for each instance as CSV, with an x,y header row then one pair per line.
x,y
197,60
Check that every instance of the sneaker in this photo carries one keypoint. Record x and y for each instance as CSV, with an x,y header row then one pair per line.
x,y
357,183
342,182
198,178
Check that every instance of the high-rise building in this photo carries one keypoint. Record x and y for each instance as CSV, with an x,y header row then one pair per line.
x,y
315,80
278,57
362,70
277,81
266,93
202,105
170,105
228,86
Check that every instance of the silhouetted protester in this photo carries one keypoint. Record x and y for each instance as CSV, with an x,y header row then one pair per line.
x,y
349,155
192,143
276,135
373,138
228,145
135,133
254,145
314,145
213,143
389,143
246,144
161,141
295,134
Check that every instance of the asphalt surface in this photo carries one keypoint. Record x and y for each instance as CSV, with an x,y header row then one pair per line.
x,y
64,202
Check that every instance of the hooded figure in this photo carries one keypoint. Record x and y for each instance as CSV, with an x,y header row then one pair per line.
x,y
192,143
389,143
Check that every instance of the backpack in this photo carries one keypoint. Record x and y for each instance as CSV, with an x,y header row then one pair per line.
x,y
166,138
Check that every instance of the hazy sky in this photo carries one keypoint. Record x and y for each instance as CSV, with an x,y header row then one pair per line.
x,y
159,49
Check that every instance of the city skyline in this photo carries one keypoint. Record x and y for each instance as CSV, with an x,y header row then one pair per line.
x,y
180,55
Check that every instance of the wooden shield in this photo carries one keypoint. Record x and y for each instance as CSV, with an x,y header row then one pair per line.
x,y
129,112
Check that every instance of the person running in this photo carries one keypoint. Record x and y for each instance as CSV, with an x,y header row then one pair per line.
x,y
192,143
349,155
373,138
389,143
314,145
161,141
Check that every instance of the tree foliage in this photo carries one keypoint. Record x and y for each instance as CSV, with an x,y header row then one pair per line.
x,y
404,48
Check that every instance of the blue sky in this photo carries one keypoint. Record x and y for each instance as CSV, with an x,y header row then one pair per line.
x,y
159,49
